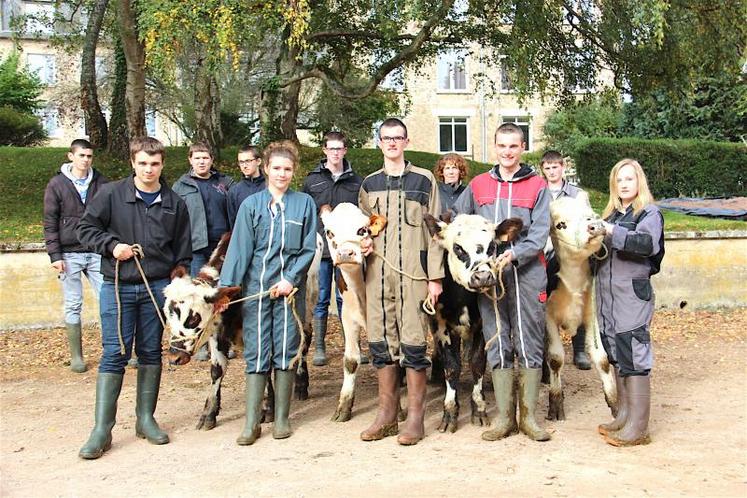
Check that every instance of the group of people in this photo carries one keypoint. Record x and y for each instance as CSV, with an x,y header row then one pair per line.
x,y
134,232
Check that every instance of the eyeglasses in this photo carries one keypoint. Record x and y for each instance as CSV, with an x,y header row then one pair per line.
x,y
247,161
391,140
334,149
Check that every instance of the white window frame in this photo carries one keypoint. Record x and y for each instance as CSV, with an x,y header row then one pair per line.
x,y
34,26
453,123
521,119
50,121
44,66
449,61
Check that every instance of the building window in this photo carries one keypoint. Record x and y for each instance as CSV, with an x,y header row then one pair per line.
x,y
452,134
44,66
50,120
507,84
40,17
451,70
522,122
150,123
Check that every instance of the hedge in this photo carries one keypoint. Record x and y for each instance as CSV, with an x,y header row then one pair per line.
x,y
674,168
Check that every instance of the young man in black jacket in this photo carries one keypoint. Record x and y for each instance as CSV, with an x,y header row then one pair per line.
x,y
65,199
139,210
332,182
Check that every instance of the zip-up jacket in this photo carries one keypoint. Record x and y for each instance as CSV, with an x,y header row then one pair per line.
x,y
186,187
63,210
324,189
449,194
524,196
118,215
240,191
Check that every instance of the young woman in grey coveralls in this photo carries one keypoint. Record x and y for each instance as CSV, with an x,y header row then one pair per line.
x,y
625,298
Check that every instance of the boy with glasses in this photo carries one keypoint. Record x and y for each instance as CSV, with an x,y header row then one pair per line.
x,y
397,325
332,182
250,160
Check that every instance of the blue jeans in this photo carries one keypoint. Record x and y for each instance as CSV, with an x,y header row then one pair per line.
x,y
200,258
140,324
77,264
326,271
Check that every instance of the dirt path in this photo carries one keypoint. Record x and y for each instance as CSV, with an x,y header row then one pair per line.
x,y
698,426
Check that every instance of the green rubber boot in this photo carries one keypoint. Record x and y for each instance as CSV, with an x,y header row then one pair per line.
x,y
148,383
108,386
529,382
281,428
504,424
75,341
255,390
320,352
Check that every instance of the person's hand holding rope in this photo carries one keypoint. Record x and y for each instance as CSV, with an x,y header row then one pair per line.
x,y
123,252
280,289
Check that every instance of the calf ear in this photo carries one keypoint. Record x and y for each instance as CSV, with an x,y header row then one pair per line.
x,y
509,229
179,271
447,216
435,226
376,223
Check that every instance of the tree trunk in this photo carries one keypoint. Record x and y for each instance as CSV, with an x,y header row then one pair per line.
x,y
118,136
207,109
89,98
279,105
135,56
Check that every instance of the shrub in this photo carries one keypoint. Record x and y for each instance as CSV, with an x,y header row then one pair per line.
x,y
19,128
673,167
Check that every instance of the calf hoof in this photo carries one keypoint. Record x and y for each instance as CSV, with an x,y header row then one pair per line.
x,y
555,409
206,423
268,416
449,421
480,418
612,404
344,411
301,393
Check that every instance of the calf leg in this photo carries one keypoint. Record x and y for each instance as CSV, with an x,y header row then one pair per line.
x,y
478,362
350,362
555,356
452,368
218,365
302,371
601,363
268,402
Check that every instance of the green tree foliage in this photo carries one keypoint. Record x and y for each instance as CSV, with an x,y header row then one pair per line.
x,y
19,89
20,128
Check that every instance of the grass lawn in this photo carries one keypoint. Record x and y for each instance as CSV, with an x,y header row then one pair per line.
x,y
24,173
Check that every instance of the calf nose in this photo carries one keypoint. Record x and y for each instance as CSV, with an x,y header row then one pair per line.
x,y
481,279
345,254
177,357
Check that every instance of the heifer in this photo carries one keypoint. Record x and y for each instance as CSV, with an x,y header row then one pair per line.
x,y
190,309
472,244
346,227
576,234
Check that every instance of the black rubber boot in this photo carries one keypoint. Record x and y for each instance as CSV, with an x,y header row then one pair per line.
x,y
75,341
504,423
385,423
255,390
529,382
622,408
148,384
635,430
281,428
320,352
580,357
108,387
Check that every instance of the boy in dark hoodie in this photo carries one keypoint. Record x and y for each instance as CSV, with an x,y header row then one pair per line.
x,y
65,200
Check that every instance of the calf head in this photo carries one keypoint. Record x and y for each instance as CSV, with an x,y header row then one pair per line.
x,y
190,309
473,245
576,230
345,228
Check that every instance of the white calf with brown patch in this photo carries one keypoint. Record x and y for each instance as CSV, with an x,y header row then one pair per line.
x,y
346,227
576,235
473,245
191,312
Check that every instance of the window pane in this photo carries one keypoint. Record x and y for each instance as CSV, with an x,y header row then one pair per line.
x,y
460,137
445,140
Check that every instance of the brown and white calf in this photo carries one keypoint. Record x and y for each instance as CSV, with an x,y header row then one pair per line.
x,y
472,244
576,235
346,228
190,310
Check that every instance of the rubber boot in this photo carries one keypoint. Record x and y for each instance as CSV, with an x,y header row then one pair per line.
x,y
504,424
148,384
75,341
255,391
529,381
580,357
622,408
320,353
281,428
635,430
385,423
414,429
108,387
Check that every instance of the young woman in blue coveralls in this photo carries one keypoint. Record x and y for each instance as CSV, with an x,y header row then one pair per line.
x,y
272,246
